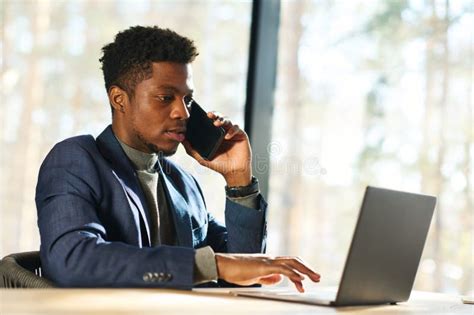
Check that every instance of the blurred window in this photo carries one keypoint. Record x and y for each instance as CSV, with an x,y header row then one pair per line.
x,y
52,85
379,93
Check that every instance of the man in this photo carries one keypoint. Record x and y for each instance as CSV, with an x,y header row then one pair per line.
x,y
115,212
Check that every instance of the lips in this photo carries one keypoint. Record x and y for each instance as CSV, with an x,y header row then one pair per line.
x,y
176,134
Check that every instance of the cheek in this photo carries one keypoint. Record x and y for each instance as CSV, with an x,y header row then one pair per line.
x,y
152,124
149,113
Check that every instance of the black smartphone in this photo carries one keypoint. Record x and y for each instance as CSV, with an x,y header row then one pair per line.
x,y
204,137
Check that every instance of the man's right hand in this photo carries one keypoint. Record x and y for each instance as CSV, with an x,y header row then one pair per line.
x,y
248,269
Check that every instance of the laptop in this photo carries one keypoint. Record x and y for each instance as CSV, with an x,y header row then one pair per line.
x,y
383,257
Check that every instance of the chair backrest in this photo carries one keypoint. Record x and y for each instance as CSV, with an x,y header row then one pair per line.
x,y
22,270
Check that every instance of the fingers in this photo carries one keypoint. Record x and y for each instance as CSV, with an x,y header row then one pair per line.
x,y
214,115
221,121
299,286
293,268
290,273
232,132
218,118
247,269
297,264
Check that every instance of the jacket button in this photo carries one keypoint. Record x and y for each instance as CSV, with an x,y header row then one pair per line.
x,y
147,277
169,276
161,277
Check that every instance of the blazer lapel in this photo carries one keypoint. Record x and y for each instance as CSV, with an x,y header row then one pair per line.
x,y
179,209
123,168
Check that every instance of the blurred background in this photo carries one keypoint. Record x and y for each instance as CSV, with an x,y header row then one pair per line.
x,y
368,92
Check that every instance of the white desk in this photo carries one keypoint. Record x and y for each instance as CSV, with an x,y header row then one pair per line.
x,y
159,301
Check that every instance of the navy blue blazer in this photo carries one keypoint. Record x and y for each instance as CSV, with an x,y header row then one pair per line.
x,y
94,222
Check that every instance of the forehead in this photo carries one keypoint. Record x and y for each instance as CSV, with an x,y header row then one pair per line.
x,y
170,73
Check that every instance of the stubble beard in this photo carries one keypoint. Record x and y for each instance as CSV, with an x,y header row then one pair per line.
x,y
151,146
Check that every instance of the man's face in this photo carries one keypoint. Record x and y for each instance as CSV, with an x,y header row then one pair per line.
x,y
155,117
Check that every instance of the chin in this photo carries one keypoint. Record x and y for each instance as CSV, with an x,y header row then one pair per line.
x,y
163,151
168,152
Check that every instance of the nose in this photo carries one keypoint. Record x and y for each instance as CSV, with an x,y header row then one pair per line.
x,y
180,110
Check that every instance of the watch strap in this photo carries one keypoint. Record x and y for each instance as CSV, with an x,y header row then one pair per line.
x,y
242,191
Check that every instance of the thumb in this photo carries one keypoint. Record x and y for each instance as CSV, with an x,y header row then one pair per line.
x,y
193,153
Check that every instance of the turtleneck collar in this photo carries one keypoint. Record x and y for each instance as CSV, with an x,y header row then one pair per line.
x,y
141,161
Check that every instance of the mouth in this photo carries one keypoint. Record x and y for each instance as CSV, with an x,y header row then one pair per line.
x,y
177,134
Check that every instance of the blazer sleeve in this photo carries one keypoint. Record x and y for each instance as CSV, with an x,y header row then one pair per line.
x,y
245,229
75,251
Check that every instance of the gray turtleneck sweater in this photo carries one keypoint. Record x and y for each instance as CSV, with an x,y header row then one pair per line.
x,y
162,227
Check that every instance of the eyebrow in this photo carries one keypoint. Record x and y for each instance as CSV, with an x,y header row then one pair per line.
x,y
170,87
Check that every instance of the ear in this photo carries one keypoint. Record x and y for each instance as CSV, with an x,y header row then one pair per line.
x,y
118,99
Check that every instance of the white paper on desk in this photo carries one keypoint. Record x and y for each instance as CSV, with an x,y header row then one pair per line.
x,y
274,289
225,290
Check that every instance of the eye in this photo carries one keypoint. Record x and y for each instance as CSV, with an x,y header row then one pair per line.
x,y
165,98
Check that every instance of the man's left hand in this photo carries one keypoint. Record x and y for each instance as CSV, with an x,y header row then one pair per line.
x,y
233,159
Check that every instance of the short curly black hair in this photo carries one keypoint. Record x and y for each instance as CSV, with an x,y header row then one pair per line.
x,y
128,59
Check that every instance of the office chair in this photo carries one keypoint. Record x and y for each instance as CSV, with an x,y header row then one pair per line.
x,y
22,270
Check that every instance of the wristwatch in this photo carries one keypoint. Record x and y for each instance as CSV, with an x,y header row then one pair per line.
x,y
242,191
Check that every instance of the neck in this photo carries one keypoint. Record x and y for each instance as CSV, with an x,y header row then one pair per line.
x,y
121,134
